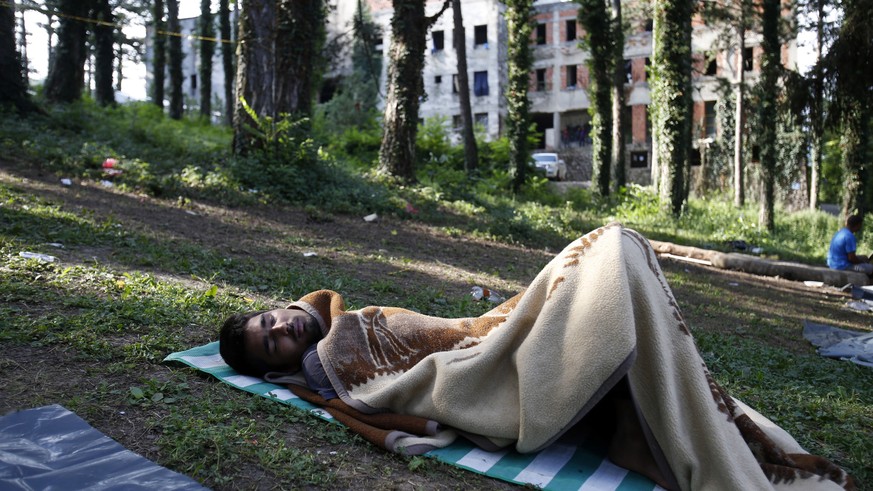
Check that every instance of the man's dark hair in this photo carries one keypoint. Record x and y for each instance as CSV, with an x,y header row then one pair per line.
x,y
854,221
232,344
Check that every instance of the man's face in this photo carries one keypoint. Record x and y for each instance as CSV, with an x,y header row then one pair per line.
x,y
279,338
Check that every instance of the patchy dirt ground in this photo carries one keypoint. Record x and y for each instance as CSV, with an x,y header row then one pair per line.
x,y
34,375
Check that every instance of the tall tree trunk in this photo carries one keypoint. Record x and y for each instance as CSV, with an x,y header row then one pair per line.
x,y
619,117
671,94
66,77
159,62
104,37
519,28
13,89
279,49
471,153
207,49
770,68
174,59
226,57
409,27
739,122
817,116
22,48
854,162
602,49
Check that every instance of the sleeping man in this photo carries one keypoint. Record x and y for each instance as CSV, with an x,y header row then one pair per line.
x,y
597,327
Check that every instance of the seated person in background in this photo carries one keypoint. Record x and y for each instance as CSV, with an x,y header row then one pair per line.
x,y
841,254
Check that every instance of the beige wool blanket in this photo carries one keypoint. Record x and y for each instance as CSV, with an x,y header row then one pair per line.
x,y
528,370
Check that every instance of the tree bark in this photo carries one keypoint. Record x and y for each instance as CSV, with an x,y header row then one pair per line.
x,y
409,27
471,152
602,50
618,99
174,58
66,77
671,98
104,36
13,88
226,58
279,58
159,62
519,28
770,69
207,50
739,91
817,116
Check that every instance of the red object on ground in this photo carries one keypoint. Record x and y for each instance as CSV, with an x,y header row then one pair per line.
x,y
109,163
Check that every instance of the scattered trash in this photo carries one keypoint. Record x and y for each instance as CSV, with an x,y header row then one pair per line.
x,y
847,287
814,284
371,218
411,209
66,182
106,184
40,257
733,283
111,167
190,212
56,244
739,245
309,254
110,163
480,293
757,250
859,305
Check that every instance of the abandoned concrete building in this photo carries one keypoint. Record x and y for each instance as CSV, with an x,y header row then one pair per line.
x,y
558,80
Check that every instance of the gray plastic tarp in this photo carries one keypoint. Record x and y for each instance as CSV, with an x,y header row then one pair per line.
x,y
50,448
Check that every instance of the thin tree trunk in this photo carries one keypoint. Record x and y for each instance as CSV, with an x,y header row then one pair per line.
x,y
66,78
13,89
817,112
159,63
104,36
739,91
769,78
177,103
471,153
409,27
600,89
207,50
22,48
226,58
618,100
519,28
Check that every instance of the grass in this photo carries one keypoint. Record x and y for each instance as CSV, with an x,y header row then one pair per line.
x,y
128,293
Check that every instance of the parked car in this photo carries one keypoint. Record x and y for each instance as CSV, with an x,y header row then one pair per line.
x,y
552,165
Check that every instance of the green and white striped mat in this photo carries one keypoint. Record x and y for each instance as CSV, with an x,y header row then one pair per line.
x,y
561,466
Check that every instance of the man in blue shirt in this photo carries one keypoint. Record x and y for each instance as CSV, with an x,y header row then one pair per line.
x,y
841,254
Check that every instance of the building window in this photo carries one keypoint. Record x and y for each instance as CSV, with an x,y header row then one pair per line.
x,y
481,118
571,30
709,118
712,68
648,125
438,41
541,79
696,157
457,124
639,160
629,70
541,34
438,79
480,83
648,64
571,76
455,86
193,81
748,59
650,25
480,34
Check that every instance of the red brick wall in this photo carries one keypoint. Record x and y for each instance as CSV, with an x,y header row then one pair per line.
x,y
638,123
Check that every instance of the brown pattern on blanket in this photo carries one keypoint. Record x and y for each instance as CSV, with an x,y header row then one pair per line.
x,y
383,351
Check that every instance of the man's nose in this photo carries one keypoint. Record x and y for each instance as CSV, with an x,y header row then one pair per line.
x,y
281,327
